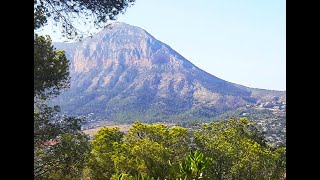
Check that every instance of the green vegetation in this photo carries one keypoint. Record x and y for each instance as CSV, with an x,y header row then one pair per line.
x,y
233,149
61,150
60,147
51,69
238,151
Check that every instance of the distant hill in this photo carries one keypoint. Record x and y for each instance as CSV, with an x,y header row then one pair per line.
x,y
124,73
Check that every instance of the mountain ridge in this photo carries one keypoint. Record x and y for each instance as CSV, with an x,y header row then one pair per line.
x,y
125,70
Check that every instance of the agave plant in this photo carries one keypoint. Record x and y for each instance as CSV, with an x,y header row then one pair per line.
x,y
193,166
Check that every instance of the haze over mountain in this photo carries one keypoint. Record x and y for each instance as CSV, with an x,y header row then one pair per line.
x,y
123,72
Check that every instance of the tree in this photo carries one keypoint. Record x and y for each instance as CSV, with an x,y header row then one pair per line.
x,y
237,151
70,155
100,163
60,147
223,150
152,150
51,75
66,12
146,151
51,69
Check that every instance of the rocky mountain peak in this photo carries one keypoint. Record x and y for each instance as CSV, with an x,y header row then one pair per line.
x,y
124,69
127,45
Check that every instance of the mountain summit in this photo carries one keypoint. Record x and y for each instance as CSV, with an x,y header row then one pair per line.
x,y
123,72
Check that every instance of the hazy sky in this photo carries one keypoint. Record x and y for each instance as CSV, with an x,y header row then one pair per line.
x,y
241,41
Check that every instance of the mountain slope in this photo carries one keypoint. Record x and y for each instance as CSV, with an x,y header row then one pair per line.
x,y
123,72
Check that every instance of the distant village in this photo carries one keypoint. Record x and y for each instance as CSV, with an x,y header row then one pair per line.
x,y
278,108
274,128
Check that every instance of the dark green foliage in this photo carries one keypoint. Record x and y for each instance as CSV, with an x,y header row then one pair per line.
x,y
60,148
63,158
40,18
51,73
48,125
70,155
44,130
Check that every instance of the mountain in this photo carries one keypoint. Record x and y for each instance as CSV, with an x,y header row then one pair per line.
x,y
124,73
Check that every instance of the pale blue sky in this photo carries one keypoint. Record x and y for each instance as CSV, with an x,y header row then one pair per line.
x,y
241,41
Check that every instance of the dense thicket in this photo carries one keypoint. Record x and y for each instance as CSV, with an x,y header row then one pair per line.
x,y
232,149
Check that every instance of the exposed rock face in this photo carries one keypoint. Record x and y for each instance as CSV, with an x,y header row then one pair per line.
x,y
124,72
